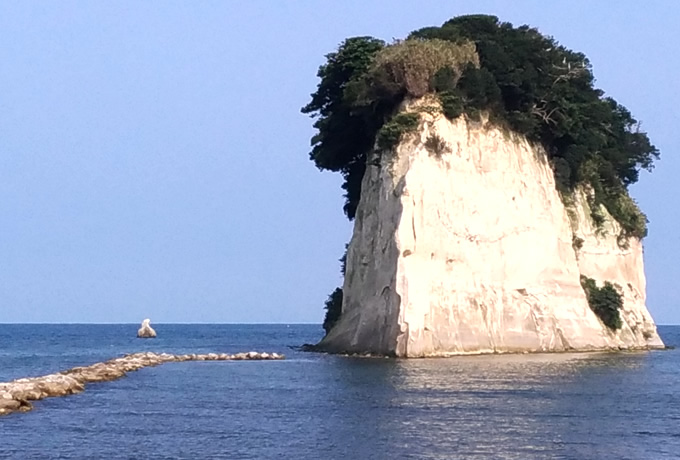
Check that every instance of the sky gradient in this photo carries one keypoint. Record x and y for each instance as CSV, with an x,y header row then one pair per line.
x,y
154,160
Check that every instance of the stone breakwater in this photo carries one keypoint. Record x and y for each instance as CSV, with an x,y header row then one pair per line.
x,y
16,396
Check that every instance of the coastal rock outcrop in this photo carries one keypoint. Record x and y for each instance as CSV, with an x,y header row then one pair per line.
x,y
15,396
470,248
146,331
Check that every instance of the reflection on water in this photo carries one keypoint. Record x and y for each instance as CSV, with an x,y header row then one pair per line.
x,y
314,406
584,405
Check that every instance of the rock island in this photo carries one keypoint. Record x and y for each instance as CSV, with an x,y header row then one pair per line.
x,y
487,178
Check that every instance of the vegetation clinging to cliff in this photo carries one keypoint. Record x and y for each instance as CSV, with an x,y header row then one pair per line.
x,y
346,133
333,308
605,301
391,132
524,80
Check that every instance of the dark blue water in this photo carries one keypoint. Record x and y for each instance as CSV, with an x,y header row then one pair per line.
x,y
312,406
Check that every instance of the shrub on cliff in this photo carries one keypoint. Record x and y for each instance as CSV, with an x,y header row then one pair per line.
x,y
345,133
409,68
333,308
605,301
391,132
524,80
436,145
360,86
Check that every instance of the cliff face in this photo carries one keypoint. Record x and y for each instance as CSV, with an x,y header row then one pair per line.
x,y
471,251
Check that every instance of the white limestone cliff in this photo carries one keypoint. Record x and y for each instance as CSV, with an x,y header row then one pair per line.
x,y
471,251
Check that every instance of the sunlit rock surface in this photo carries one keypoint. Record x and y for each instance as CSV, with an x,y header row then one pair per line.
x,y
146,331
471,251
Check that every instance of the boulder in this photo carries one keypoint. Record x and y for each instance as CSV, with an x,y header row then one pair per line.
x,y
146,331
7,406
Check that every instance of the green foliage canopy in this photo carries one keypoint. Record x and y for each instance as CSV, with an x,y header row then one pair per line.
x,y
333,308
524,80
547,93
391,132
606,301
346,133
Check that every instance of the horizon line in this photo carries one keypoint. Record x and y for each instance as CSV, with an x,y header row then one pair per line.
x,y
192,323
172,322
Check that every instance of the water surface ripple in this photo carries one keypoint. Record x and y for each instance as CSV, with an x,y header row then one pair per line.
x,y
313,406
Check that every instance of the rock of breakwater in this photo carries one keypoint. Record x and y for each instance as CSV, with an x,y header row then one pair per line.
x,y
146,331
16,396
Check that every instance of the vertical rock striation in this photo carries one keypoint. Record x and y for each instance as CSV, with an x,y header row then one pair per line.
x,y
470,250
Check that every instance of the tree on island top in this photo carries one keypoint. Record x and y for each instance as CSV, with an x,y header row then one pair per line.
x,y
525,81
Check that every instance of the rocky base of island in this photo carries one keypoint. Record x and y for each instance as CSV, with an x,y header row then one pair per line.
x,y
16,396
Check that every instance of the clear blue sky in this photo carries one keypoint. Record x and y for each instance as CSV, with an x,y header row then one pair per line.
x,y
154,161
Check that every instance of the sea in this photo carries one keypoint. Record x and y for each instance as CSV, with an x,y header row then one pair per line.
x,y
316,406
